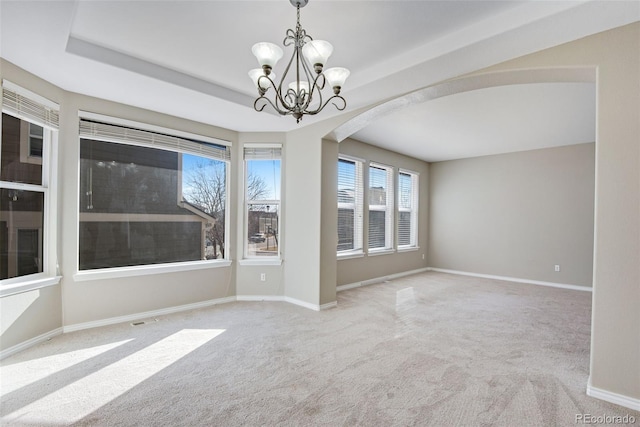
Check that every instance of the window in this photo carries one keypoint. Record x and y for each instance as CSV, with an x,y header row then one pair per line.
x,y
149,198
380,207
27,227
350,205
36,139
407,209
262,200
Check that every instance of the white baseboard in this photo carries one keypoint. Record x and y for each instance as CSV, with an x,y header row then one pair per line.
x,y
259,298
515,279
315,307
29,343
608,396
176,309
380,279
146,314
328,305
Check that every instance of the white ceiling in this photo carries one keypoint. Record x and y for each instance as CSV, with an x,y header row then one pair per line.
x,y
190,59
489,121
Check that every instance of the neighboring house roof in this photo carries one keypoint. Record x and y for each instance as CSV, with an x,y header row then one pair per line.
x,y
196,210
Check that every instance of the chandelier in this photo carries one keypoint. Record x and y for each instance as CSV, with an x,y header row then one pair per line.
x,y
304,94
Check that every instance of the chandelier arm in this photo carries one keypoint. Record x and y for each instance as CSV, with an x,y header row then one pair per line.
x,y
260,98
268,101
280,98
312,84
337,97
290,38
324,81
291,96
261,91
344,102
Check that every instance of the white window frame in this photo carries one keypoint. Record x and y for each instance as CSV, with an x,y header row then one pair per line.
x,y
33,108
413,209
357,206
388,208
260,259
140,134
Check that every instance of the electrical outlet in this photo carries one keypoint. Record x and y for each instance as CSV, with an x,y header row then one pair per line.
x,y
557,267
263,277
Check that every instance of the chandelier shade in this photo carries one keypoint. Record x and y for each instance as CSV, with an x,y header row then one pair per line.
x,y
268,54
317,52
304,95
336,76
255,74
304,86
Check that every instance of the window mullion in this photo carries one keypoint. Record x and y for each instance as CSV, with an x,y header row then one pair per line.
x,y
22,186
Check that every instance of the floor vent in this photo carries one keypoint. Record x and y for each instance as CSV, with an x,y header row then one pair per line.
x,y
143,322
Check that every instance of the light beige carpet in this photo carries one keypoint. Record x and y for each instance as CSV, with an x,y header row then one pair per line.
x,y
430,349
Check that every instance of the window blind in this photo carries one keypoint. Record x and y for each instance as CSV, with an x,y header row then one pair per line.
x,y
380,207
262,153
30,110
121,134
350,200
408,208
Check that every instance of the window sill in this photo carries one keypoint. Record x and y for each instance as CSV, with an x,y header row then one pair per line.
x,y
350,255
408,248
29,285
143,270
381,252
259,261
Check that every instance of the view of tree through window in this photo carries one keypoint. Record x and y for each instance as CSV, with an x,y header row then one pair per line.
x,y
141,205
204,185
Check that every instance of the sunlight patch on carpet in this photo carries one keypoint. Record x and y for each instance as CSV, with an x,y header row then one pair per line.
x,y
405,316
21,374
79,399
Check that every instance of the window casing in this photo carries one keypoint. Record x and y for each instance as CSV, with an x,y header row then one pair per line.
x,y
142,198
350,206
407,209
262,197
381,208
27,189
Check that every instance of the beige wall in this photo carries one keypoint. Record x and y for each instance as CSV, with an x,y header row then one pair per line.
x,y
28,315
615,338
516,215
329,222
355,270
302,212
